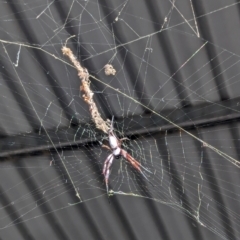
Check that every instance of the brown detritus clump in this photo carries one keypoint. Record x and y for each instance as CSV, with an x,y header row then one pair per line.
x,y
109,70
87,93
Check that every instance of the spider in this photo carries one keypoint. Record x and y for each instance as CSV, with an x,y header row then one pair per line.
x,y
117,152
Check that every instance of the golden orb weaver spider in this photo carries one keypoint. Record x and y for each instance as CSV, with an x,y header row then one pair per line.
x,y
117,151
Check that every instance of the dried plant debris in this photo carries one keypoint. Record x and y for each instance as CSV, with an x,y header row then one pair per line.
x,y
109,70
87,92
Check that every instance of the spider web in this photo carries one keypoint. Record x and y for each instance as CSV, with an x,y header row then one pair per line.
x,y
174,95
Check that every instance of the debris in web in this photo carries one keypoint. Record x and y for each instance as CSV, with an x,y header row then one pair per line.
x,y
109,70
87,92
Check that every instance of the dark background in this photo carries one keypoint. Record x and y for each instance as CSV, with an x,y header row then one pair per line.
x,y
182,70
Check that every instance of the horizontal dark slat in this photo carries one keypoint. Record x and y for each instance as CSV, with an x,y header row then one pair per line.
x,y
189,117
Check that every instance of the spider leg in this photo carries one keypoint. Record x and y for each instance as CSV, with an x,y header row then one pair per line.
x,y
106,169
146,177
123,139
137,165
107,147
131,160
